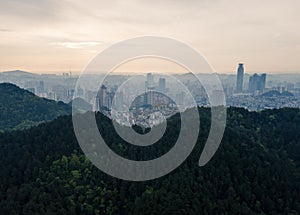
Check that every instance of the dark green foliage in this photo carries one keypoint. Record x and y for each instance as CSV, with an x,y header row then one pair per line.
x,y
21,109
255,171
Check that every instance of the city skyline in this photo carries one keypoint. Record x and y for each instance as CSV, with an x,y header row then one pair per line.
x,y
59,36
74,73
258,91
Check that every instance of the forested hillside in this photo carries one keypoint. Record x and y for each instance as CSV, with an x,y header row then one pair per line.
x,y
255,170
21,109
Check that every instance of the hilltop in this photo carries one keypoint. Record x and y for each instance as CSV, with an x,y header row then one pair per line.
x,y
20,108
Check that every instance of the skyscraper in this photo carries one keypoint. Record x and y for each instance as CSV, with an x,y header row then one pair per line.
x,y
257,83
102,97
80,92
240,78
119,101
41,88
262,82
150,97
150,80
162,85
253,83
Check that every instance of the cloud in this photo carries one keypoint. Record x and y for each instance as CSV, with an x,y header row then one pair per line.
x,y
78,45
5,30
226,31
34,10
71,43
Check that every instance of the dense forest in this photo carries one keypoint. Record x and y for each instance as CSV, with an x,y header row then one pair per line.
x,y
21,109
255,170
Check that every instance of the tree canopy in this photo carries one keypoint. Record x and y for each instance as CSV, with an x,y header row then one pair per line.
x,y
255,170
21,109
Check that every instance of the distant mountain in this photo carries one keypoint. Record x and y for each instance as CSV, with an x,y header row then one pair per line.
x,y
18,73
21,109
18,77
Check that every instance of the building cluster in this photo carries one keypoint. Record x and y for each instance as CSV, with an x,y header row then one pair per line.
x,y
150,84
153,96
146,109
257,83
255,103
259,97
50,86
254,92
105,99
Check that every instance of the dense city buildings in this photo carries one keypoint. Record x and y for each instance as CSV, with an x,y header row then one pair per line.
x,y
251,91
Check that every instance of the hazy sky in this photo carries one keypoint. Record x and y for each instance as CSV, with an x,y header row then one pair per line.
x,y
60,35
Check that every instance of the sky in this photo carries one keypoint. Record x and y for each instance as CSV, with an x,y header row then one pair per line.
x,y
56,36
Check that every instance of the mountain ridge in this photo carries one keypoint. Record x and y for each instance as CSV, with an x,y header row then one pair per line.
x,y
20,108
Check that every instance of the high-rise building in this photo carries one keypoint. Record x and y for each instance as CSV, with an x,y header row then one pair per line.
x,y
61,93
240,78
150,80
102,97
253,83
41,88
109,99
150,96
180,98
162,85
262,82
119,101
80,92
257,83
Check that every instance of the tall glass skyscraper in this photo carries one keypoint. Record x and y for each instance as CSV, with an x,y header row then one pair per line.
x,y
240,78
